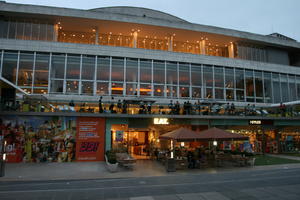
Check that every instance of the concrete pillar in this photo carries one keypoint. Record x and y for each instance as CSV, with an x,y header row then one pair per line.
x,y
231,50
134,39
96,35
202,47
170,42
55,39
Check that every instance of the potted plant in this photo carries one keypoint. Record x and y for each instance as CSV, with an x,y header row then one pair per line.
x,y
111,161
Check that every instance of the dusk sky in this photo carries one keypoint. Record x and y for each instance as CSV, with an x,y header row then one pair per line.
x,y
256,16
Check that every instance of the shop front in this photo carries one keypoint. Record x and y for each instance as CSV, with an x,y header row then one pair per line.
x,y
53,138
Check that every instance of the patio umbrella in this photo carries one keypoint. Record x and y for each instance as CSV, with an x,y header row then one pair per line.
x,y
219,134
181,134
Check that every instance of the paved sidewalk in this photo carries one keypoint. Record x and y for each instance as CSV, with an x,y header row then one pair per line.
x,y
285,156
97,170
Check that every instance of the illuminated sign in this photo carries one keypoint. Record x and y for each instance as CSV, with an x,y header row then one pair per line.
x,y
255,122
161,121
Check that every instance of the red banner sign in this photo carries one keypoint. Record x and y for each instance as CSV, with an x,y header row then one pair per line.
x,y
90,139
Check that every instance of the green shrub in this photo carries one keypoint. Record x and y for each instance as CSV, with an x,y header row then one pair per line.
x,y
111,156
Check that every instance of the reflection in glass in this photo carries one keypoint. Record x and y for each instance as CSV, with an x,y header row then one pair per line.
x,y
12,30
131,70
219,77
57,65
72,87
40,91
171,73
145,90
239,78
41,70
184,91
131,88
207,76
73,67
196,75
208,93
159,90
145,71
87,87
3,28
276,86
229,78
9,68
219,93
25,69
249,85
258,85
117,88
117,69
103,68
158,72
284,88
240,96
196,92
268,87
172,91
57,86
292,88
184,74
20,30
229,95
102,88
88,67
298,87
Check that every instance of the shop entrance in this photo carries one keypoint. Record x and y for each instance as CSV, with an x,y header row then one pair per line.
x,y
135,142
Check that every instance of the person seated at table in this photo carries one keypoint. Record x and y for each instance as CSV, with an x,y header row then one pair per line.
x,y
191,160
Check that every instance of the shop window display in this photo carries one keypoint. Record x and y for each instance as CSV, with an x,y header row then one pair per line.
x,y
39,139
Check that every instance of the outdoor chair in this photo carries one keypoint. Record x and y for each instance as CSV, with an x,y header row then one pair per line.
x,y
250,162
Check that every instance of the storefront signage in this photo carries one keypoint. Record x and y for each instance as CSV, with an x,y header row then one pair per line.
x,y
255,122
119,136
90,139
161,121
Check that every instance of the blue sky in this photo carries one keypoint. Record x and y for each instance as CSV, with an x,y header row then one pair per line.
x,y
256,16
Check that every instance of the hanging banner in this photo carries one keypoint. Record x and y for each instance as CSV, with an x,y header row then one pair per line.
x,y
90,139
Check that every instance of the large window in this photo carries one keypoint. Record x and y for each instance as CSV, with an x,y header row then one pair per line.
x,y
219,83
102,88
159,72
73,67
196,75
41,70
298,87
58,66
103,68
292,88
276,86
249,85
208,76
87,87
239,82
284,88
258,86
117,69
131,70
88,67
25,69
57,86
9,68
172,73
184,74
145,71
268,87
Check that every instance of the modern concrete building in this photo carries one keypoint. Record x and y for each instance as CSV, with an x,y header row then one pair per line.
x,y
137,53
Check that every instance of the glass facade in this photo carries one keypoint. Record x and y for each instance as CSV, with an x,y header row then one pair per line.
x,y
103,75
